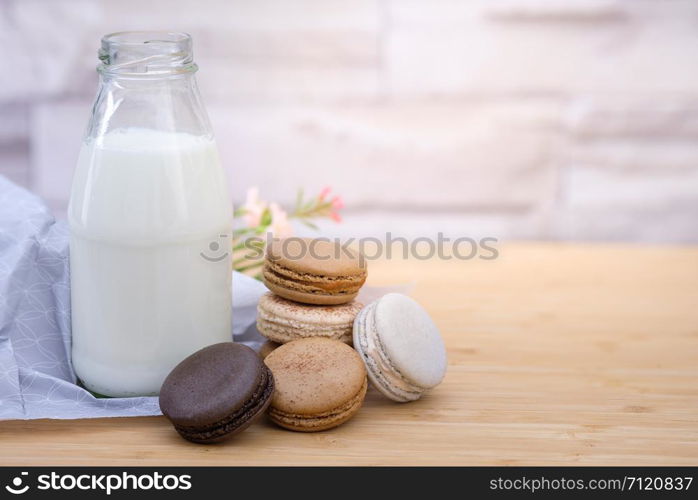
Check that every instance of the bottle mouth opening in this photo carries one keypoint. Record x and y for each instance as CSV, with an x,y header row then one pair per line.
x,y
146,53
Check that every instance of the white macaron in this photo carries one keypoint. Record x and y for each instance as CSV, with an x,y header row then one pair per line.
x,y
401,346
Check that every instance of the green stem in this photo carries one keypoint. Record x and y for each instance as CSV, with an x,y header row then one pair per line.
x,y
239,246
243,230
236,262
251,266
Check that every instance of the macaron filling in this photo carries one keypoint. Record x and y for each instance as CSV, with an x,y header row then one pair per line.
x,y
382,372
260,399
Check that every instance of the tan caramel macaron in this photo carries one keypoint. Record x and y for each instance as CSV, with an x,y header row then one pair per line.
x,y
283,320
313,271
320,384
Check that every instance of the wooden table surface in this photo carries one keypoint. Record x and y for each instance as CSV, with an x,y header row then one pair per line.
x,y
558,355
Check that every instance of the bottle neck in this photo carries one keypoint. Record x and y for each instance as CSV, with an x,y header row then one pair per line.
x,y
148,82
146,55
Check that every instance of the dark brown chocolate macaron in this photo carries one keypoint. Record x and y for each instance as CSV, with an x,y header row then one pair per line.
x,y
216,392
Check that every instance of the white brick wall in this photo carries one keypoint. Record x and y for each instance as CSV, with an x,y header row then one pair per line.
x,y
449,47
409,155
534,119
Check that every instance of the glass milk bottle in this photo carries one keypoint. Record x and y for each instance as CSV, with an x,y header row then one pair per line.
x,y
150,221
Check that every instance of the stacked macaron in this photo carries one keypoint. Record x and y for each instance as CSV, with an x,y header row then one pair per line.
x,y
282,320
313,271
308,317
312,286
310,311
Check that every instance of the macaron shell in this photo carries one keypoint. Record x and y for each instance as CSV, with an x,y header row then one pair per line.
x,y
282,320
229,371
316,257
410,339
314,376
299,314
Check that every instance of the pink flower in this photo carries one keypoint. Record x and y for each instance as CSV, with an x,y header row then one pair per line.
x,y
325,191
335,217
253,208
280,225
337,203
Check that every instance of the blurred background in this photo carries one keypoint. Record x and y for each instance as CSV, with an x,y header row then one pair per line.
x,y
520,119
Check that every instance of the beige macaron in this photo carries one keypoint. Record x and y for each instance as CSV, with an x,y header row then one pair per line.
x,y
402,347
282,320
320,383
313,271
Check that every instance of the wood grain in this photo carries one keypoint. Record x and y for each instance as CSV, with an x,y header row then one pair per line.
x,y
558,354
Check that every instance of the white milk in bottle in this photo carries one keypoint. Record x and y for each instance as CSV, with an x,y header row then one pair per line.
x,y
150,220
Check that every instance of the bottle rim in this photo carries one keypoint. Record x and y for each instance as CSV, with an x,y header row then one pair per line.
x,y
146,53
